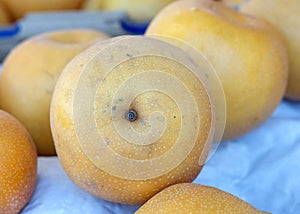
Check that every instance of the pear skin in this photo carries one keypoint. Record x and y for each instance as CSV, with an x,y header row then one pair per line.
x,y
191,198
248,54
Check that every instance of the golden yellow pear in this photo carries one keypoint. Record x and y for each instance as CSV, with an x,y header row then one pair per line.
x,y
188,198
138,10
285,16
5,17
18,165
19,9
144,10
248,54
233,1
132,115
29,74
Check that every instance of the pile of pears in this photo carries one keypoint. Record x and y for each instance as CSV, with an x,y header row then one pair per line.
x,y
255,53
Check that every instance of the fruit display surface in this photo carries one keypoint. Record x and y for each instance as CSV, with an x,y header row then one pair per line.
x,y
267,178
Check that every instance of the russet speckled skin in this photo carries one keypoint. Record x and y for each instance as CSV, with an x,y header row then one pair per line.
x,y
82,163
188,198
18,165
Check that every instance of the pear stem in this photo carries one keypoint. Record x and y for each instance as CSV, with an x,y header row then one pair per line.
x,y
131,115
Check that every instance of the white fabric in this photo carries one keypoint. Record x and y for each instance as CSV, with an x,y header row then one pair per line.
x,y
262,167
